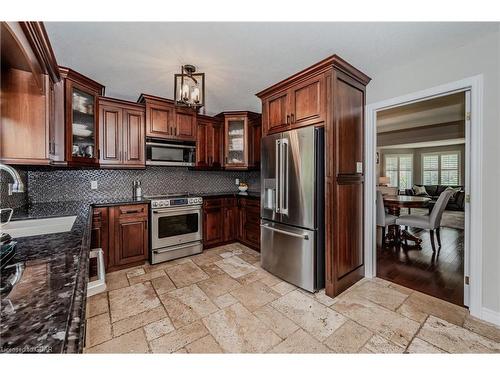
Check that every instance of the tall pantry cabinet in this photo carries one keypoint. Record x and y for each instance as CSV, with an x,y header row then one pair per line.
x,y
330,94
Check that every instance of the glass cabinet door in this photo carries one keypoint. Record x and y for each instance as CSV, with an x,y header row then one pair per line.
x,y
235,136
83,124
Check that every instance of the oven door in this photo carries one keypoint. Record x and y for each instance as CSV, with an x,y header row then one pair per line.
x,y
175,225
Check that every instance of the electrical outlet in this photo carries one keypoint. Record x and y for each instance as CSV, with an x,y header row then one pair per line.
x,y
237,181
93,185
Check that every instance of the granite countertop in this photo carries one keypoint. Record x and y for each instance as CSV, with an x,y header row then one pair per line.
x,y
45,311
248,194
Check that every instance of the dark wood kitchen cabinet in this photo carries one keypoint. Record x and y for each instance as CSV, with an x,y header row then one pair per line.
x,y
121,128
184,124
99,232
80,118
230,223
331,94
29,73
242,134
213,222
165,121
299,104
230,219
208,142
122,233
249,222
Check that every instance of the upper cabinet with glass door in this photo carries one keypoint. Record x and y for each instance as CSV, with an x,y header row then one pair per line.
x,y
81,118
242,135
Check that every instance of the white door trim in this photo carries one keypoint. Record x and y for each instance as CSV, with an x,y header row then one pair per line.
x,y
475,85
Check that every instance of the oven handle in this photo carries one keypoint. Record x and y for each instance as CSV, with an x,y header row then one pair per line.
x,y
196,208
168,145
172,248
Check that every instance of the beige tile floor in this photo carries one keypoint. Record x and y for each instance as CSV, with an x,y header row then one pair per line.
x,y
221,301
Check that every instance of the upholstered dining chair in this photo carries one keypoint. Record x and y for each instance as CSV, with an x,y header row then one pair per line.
x,y
383,218
432,221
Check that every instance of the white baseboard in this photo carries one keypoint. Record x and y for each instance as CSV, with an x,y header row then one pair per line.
x,y
490,316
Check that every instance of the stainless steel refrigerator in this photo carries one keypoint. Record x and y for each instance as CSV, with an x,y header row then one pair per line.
x,y
292,206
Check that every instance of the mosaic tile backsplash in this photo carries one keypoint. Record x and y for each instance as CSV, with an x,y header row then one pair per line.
x,y
50,185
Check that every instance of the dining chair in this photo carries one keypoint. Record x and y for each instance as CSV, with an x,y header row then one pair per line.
x,y
383,218
432,221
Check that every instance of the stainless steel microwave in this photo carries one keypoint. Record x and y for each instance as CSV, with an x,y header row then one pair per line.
x,y
167,153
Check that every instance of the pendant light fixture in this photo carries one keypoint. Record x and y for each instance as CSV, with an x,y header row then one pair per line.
x,y
189,88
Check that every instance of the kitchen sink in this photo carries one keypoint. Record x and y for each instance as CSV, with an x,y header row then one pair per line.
x,y
36,227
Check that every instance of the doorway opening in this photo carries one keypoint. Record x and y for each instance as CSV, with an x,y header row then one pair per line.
x,y
422,180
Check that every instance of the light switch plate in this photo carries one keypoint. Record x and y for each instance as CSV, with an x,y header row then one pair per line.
x,y
359,167
93,185
237,181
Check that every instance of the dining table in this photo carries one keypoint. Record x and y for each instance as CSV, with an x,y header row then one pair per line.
x,y
394,204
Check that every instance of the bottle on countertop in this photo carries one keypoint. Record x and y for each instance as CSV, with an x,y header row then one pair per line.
x,y
137,189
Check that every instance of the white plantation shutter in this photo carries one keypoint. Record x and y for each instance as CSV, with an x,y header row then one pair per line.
x,y
399,169
391,170
405,171
449,169
430,169
442,168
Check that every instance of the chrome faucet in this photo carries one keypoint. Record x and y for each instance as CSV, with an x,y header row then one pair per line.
x,y
17,186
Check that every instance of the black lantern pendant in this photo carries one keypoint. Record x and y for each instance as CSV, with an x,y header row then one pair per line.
x,y
189,88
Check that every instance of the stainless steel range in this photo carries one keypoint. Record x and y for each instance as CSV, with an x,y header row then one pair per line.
x,y
176,227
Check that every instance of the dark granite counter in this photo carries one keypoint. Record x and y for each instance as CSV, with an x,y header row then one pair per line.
x,y
45,311
227,194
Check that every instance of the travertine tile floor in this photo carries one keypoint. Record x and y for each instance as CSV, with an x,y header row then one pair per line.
x,y
221,301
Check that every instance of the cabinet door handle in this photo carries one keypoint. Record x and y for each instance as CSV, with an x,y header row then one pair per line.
x,y
293,118
287,119
125,155
132,211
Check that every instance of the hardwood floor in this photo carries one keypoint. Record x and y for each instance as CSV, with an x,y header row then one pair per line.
x,y
440,275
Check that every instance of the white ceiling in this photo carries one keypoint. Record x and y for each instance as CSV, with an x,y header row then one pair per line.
x,y
239,59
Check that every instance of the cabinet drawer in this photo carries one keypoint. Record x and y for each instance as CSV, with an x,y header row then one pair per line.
x,y
247,202
230,202
133,210
213,202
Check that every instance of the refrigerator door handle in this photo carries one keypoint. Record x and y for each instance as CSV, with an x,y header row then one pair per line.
x,y
303,236
277,188
284,177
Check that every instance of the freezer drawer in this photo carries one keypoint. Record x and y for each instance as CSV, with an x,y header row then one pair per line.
x,y
289,253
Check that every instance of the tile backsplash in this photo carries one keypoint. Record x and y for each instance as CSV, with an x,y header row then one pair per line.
x,y
50,185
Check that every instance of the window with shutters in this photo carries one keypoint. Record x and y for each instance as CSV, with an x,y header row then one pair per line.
x,y
399,169
441,168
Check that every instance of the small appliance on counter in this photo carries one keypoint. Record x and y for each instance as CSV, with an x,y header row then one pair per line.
x,y
176,227
242,187
137,189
